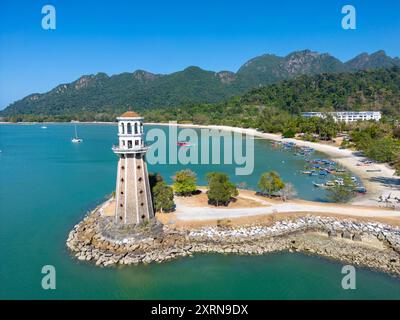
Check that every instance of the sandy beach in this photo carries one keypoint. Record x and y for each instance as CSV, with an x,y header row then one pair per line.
x,y
381,181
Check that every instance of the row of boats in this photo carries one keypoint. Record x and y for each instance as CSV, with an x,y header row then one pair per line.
x,y
324,167
321,168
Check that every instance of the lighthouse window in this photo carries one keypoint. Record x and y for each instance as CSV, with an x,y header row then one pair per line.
x,y
122,179
143,216
129,128
142,204
121,205
122,192
138,167
122,128
141,127
136,128
141,191
140,178
120,218
136,142
122,167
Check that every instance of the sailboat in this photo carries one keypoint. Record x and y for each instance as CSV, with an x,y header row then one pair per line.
x,y
76,139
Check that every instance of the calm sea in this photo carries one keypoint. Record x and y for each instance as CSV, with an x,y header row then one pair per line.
x,y
47,184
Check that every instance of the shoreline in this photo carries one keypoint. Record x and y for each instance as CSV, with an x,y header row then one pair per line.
x,y
382,183
367,244
377,183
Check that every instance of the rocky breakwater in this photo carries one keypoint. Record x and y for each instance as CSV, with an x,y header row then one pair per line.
x,y
369,244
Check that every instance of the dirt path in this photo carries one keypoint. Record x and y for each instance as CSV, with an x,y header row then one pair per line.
x,y
187,210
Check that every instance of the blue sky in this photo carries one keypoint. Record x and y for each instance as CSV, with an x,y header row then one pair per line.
x,y
167,36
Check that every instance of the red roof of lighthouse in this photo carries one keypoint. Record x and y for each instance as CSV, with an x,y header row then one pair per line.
x,y
129,114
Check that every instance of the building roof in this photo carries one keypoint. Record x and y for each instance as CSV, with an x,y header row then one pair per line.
x,y
129,114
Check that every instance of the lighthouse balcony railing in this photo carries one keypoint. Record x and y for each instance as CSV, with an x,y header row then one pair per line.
x,y
133,149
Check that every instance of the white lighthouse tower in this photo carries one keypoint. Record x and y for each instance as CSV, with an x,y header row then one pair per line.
x,y
133,197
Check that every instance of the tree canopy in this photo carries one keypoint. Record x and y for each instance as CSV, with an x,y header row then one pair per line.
x,y
185,182
270,183
220,189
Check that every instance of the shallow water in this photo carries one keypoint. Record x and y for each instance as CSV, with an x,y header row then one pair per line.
x,y
47,184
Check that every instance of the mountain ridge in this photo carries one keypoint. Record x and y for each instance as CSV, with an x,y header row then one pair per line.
x,y
145,90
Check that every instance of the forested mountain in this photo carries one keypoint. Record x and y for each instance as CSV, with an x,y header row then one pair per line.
x,y
365,61
363,90
98,95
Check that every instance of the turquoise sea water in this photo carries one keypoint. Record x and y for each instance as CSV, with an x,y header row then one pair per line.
x,y
47,184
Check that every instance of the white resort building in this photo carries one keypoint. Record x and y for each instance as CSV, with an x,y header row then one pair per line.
x,y
346,116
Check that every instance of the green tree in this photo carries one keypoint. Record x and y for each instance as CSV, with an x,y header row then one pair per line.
x,y
220,189
154,178
185,182
327,128
270,182
342,192
289,133
163,197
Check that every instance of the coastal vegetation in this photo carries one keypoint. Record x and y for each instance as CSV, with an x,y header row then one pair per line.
x,y
270,183
162,194
185,182
163,197
342,192
220,189
378,141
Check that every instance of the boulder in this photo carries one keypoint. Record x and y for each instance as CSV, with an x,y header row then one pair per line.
x,y
346,235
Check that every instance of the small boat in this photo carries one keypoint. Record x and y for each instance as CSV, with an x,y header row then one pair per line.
x,y
339,182
373,170
76,139
306,172
183,144
43,127
330,184
361,190
318,185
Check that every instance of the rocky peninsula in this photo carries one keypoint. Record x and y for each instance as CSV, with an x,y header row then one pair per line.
x,y
362,243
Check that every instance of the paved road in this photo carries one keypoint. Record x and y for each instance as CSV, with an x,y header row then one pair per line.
x,y
204,213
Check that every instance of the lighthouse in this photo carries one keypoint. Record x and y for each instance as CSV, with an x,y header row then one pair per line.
x,y
132,194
